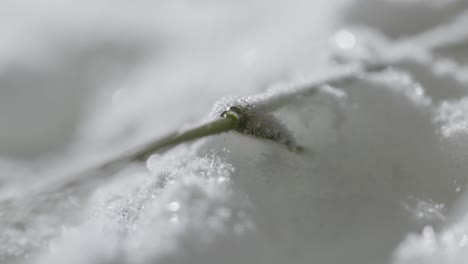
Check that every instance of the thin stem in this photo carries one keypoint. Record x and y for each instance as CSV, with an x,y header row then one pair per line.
x,y
228,121
274,100
232,119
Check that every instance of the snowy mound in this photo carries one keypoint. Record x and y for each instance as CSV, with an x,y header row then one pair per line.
x,y
373,94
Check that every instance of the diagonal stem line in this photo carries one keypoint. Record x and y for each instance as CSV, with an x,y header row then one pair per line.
x,y
223,124
277,99
229,121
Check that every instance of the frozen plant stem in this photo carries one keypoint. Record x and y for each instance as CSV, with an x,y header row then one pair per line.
x,y
252,116
276,99
229,120
242,118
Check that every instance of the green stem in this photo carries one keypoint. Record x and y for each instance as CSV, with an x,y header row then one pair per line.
x,y
232,119
229,121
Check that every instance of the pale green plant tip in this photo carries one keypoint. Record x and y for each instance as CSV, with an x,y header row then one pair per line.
x,y
228,121
245,120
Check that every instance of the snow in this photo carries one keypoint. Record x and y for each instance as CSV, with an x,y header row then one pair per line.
x,y
374,92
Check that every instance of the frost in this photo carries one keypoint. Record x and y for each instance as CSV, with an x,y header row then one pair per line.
x,y
373,91
425,211
453,117
449,246
174,206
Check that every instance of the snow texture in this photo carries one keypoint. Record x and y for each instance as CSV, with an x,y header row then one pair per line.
x,y
375,92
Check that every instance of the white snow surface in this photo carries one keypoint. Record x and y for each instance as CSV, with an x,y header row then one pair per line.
x,y
383,173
